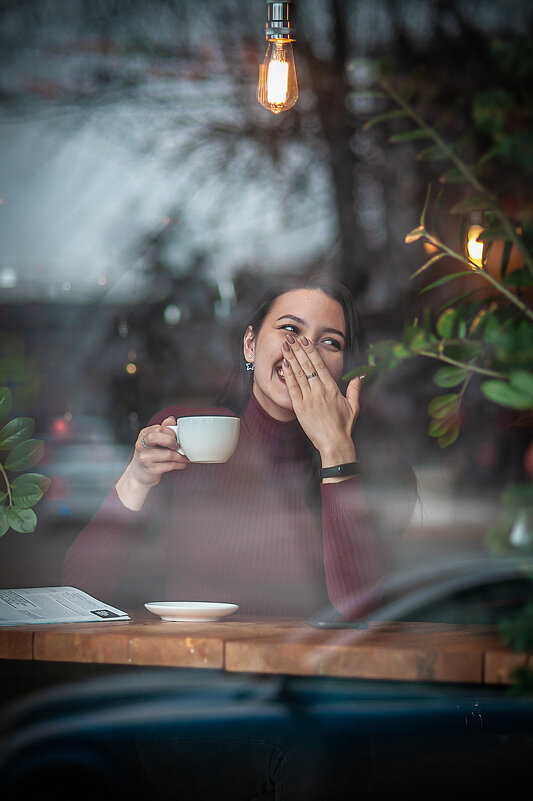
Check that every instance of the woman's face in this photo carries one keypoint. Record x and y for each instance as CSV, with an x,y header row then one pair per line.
x,y
300,312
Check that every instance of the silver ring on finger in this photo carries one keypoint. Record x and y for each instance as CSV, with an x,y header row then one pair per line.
x,y
144,443
311,375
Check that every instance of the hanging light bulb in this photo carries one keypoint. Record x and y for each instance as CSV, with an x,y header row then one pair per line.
x,y
475,250
277,89
473,246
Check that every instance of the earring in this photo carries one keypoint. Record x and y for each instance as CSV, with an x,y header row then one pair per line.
x,y
250,366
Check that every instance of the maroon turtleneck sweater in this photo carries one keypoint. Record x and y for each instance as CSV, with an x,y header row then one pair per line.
x,y
243,531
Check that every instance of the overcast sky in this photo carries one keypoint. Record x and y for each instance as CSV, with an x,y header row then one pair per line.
x,y
76,201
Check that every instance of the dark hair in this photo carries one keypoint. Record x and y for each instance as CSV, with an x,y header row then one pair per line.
x,y
237,392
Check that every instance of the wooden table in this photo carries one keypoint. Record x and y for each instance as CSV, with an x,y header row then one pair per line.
x,y
398,651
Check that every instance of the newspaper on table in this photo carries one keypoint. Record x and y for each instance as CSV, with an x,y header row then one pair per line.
x,y
53,605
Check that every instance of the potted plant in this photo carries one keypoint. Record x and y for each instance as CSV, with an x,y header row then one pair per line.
x,y
20,490
482,330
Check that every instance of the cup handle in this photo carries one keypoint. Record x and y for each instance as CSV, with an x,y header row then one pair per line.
x,y
178,446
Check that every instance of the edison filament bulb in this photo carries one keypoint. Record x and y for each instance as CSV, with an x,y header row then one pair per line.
x,y
277,89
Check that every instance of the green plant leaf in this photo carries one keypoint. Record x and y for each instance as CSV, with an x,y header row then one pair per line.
x,y
383,349
428,263
367,370
449,437
400,351
415,235
416,340
522,380
438,427
490,154
444,405
432,153
426,321
472,203
3,496
453,176
447,323
519,278
425,207
387,115
32,480
25,455
4,525
492,331
28,500
409,136
22,520
450,376
417,337
495,233
28,489
18,430
525,330
482,317
445,279
464,351
6,400
457,299
502,393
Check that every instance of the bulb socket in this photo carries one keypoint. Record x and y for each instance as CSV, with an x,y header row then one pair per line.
x,y
279,23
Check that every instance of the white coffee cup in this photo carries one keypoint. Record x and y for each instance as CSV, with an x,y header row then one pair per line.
x,y
208,439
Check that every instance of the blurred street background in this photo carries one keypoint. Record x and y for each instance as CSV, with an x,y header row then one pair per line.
x,y
146,200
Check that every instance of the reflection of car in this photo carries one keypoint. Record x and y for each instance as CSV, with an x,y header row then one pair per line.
x,y
464,589
460,590
83,461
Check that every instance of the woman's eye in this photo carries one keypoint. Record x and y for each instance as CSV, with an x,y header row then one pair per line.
x,y
333,344
290,327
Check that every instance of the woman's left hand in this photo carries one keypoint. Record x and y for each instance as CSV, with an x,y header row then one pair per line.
x,y
325,414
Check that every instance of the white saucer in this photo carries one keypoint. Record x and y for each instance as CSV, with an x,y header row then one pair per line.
x,y
191,611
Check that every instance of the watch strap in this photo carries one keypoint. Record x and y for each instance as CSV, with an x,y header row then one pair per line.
x,y
340,470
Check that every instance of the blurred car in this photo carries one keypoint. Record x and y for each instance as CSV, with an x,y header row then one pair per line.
x,y
83,460
483,589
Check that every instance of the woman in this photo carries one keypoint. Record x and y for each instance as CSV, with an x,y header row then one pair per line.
x,y
282,528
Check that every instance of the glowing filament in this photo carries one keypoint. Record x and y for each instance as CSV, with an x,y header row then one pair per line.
x,y
475,248
277,82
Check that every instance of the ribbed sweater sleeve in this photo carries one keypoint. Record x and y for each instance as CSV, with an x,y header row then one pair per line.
x,y
354,561
96,560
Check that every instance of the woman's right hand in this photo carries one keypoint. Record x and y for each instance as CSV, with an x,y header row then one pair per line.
x,y
155,454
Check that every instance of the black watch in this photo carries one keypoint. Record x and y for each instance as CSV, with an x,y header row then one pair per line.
x,y
340,470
